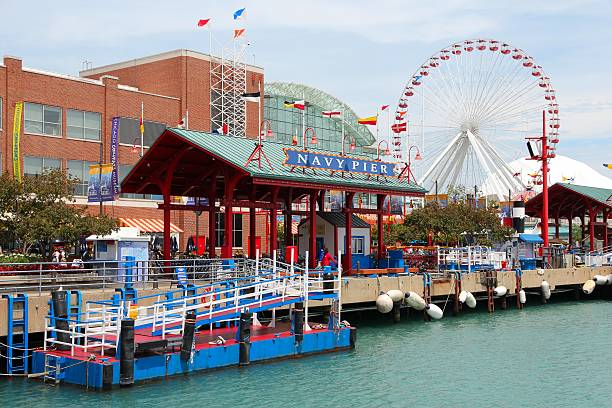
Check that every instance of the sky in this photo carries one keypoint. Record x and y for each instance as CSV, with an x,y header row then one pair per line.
x,y
362,52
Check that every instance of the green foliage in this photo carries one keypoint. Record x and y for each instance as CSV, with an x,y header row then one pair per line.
x,y
451,224
40,209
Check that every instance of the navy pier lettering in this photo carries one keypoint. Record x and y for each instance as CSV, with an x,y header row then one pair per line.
x,y
332,162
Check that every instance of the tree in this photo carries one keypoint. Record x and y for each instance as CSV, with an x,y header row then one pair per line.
x,y
41,208
454,223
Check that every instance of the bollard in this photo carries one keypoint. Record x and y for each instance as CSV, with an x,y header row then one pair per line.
x,y
60,314
188,336
396,312
126,361
298,322
244,338
503,302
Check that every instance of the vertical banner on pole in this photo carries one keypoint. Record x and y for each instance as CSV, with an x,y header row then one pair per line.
x,y
114,155
100,185
17,141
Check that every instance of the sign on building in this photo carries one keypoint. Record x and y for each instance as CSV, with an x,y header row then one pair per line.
x,y
332,162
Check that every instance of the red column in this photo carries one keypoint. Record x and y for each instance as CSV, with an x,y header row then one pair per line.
x,y
212,217
288,216
273,231
228,236
605,221
582,228
380,202
557,227
348,236
570,230
313,230
166,223
544,181
592,217
252,233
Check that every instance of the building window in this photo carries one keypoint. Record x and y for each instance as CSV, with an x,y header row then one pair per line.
x,y
220,228
33,165
79,169
83,125
42,119
358,245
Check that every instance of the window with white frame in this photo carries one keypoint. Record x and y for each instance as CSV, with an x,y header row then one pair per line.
x,y
42,119
358,245
83,125
34,165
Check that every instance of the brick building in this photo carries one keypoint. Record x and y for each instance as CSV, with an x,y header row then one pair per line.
x,y
67,122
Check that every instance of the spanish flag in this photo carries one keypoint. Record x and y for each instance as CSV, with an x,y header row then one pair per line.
x,y
371,120
142,119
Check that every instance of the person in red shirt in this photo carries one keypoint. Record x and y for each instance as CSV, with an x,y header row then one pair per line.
x,y
328,259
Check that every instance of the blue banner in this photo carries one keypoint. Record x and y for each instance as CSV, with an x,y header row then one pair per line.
x,y
114,154
99,186
315,160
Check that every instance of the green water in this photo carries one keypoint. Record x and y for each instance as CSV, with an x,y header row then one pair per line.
x,y
556,355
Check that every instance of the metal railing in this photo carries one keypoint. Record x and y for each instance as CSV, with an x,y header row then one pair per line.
x,y
259,284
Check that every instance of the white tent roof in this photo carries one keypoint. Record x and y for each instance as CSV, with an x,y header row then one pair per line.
x,y
122,234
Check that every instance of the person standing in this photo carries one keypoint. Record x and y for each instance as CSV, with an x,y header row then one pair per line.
x,y
328,259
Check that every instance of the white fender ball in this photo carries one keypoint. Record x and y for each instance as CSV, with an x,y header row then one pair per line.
x,y
522,297
415,301
500,291
434,311
396,295
545,286
462,296
600,280
589,286
384,303
470,300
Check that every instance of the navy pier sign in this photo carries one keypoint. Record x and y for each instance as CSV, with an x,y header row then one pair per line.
x,y
332,162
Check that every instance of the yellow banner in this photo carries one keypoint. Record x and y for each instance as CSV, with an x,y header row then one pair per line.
x,y
17,141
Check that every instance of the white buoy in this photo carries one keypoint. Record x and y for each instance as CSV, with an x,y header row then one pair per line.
x,y
462,296
434,311
470,300
600,280
415,301
384,303
500,291
545,286
589,286
396,295
522,297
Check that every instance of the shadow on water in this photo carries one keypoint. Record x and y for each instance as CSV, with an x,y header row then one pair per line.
x,y
543,355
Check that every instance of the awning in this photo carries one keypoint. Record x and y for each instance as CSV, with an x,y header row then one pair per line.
x,y
147,224
531,238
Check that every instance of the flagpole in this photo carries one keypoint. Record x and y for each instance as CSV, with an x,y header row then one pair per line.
x,y
304,122
343,110
258,110
142,129
388,126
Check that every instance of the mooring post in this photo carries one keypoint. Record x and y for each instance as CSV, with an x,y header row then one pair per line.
x,y
519,286
490,294
188,336
126,360
426,294
244,337
60,314
297,322
458,281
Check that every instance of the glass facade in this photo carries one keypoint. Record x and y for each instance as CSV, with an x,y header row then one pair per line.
x,y
288,122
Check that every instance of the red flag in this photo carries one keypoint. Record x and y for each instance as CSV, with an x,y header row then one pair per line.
x,y
203,22
399,127
239,32
329,114
382,108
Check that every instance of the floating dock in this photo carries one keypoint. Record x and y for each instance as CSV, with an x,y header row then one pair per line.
x,y
123,341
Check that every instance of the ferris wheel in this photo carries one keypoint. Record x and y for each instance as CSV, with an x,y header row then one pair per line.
x,y
468,109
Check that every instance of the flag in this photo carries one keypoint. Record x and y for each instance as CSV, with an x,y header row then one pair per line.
x,y
251,96
223,130
239,32
401,113
370,120
297,105
418,77
382,108
294,140
329,114
203,22
239,13
142,119
609,166
399,127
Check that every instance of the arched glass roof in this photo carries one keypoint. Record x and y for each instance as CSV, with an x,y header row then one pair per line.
x,y
325,101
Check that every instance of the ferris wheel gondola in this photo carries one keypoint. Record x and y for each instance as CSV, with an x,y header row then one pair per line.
x,y
469,107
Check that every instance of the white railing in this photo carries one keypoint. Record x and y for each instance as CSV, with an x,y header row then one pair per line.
x,y
469,258
270,285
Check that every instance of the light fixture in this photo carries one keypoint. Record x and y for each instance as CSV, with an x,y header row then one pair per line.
x,y
352,145
417,156
313,139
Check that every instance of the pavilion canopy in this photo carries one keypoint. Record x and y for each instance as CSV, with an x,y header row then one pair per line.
x,y
571,200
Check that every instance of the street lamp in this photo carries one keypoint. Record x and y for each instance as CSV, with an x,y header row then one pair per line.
x,y
313,138
387,150
266,130
406,172
351,146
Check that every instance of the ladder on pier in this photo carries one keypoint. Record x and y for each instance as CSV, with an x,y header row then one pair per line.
x,y
17,333
53,369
